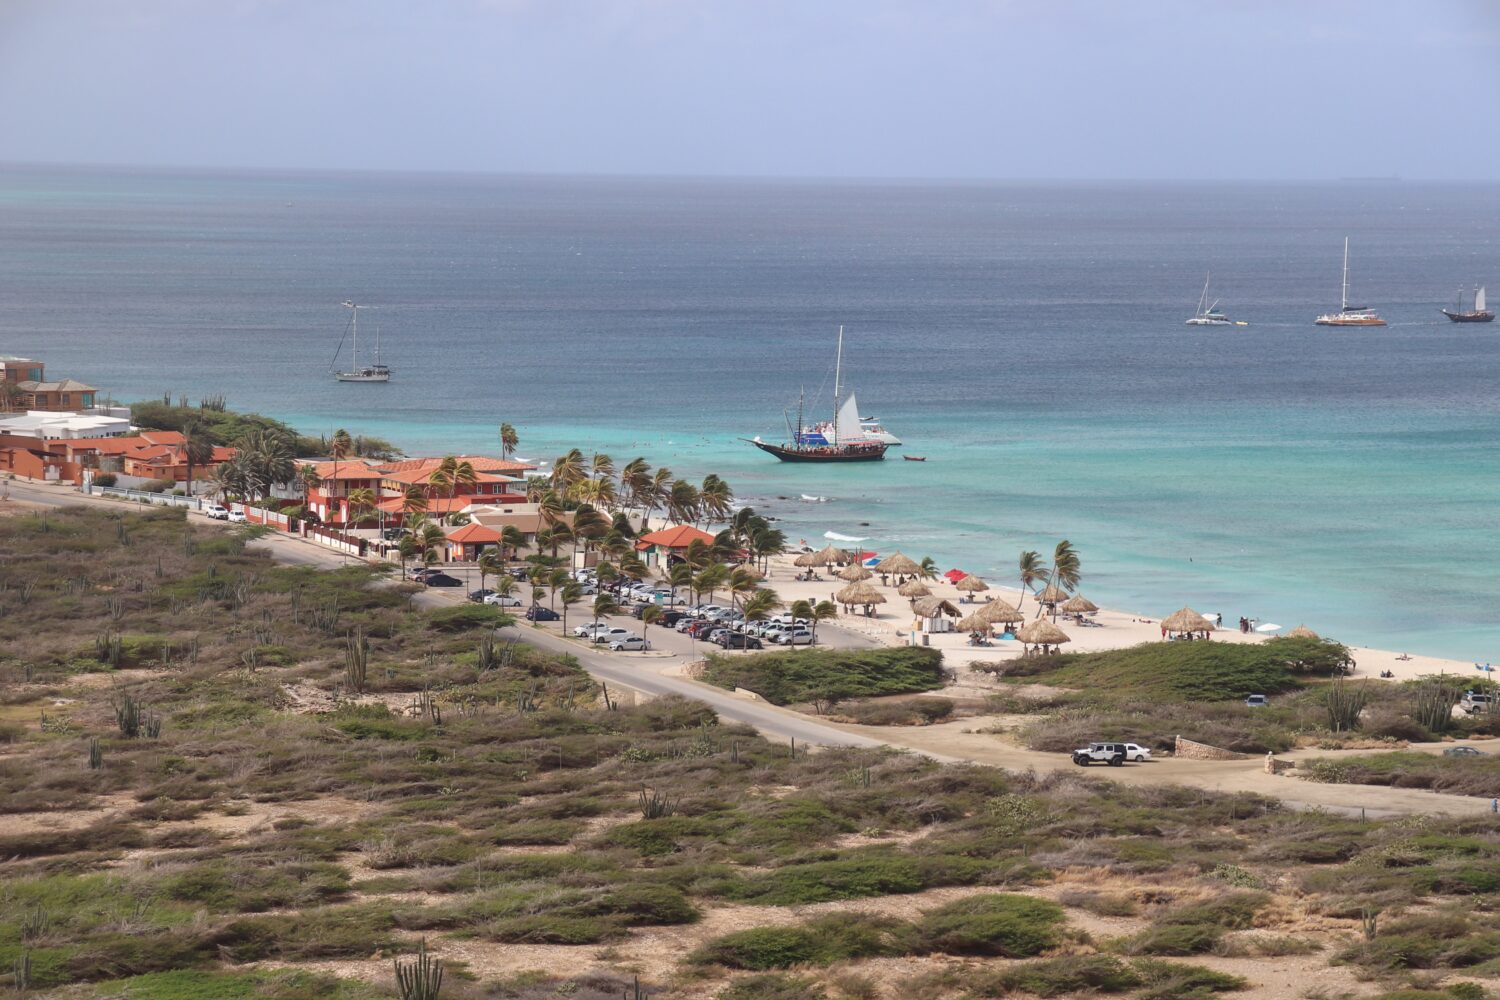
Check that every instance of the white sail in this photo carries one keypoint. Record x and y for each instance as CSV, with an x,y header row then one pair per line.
x,y
846,425
1479,300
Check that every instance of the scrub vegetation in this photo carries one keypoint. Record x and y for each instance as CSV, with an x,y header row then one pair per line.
x,y
200,797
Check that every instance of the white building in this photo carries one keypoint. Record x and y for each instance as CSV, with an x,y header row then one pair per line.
x,y
56,426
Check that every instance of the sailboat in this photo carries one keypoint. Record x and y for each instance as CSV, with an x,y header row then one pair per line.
x,y
1477,313
376,372
1349,315
842,440
1208,313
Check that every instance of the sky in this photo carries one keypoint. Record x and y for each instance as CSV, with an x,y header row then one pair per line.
x,y
1002,89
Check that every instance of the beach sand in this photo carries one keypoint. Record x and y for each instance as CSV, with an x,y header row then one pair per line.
x,y
893,623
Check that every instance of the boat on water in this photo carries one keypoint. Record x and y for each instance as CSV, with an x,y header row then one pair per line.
x,y
1349,315
375,372
873,429
841,440
915,458
1476,313
1208,313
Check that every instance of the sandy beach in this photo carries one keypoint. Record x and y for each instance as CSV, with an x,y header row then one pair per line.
x,y
1112,629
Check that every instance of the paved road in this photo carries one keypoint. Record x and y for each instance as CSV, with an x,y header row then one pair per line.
x,y
654,675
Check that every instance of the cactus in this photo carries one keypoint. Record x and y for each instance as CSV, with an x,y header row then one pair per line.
x,y
109,648
656,806
21,972
488,658
35,923
609,705
1369,920
128,717
1434,705
356,661
96,754
1344,704
251,659
635,992
421,978
526,700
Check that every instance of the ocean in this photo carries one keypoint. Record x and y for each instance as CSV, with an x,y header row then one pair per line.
x,y
1028,339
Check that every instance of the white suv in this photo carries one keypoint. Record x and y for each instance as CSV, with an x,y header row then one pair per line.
x,y
216,511
236,517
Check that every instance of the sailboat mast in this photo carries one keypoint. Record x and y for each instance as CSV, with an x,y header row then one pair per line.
x,y
1344,295
797,436
838,371
354,349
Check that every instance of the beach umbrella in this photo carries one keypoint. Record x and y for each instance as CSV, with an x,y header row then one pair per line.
x,y
913,588
1042,633
898,564
854,573
1052,595
833,556
974,623
807,560
1303,632
955,575
1268,627
859,593
1079,605
1187,621
750,571
972,585
1000,612
931,607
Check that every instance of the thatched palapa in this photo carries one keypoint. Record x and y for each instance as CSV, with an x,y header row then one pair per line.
x,y
1000,612
807,560
1052,595
1042,633
1079,605
931,607
913,588
859,593
898,564
855,573
834,556
972,585
1186,622
1303,632
974,623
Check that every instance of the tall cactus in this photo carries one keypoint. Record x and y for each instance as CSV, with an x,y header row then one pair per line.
x,y
1344,703
421,978
96,754
1434,705
356,661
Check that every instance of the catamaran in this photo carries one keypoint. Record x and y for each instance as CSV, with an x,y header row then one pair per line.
x,y
1349,315
376,372
1476,313
841,440
1208,313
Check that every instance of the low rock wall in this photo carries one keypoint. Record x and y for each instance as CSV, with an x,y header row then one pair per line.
x,y
1274,766
1190,750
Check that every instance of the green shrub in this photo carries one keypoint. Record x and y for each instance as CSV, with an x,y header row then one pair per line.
x,y
1176,981
231,886
466,617
552,928
826,881
1173,939
1010,926
1099,903
838,937
156,485
906,712
1233,911
105,479
792,676
773,986
1067,976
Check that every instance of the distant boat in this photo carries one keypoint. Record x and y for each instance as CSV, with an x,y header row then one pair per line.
x,y
1349,315
915,458
1208,313
376,372
1476,313
842,440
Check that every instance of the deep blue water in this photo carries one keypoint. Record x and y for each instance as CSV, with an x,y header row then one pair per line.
x,y
1028,339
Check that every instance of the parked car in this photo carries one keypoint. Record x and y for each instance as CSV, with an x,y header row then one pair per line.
x,y
1475,701
630,643
504,600
478,596
610,634
537,613
236,517
417,572
795,637
587,629
738,640
217,511
1112,754
392,534
1134,751
1464,751
1257,701
441,580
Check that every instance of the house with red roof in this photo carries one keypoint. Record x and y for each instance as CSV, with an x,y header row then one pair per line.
x,y
660,548
496,481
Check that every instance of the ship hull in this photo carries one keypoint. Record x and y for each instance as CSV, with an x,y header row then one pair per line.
x,y
1469,317
832,453
1348,321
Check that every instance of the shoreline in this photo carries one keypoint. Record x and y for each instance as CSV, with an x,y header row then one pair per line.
x,y
1115,629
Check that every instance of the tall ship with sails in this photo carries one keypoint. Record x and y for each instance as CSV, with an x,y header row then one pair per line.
x,y
1476,313
843,439
1349,315
376,372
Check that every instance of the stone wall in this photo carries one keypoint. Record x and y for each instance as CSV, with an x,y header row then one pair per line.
x,y
1202,751
1274,766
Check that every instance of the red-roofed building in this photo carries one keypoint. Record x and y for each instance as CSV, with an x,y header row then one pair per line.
x,y
466,543
496,481
661,547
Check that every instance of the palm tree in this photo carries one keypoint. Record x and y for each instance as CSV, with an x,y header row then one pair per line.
x,y
489,563
267,457
710,579
656,494
309,480
1032,570
567,470
512,541
715,498
1065,571
339,448
649,614
601,466
441,479
409,548
509,440
768,542
680,577
823,611
604,605
635,481
928,569
682,502
430,541
556,580
742,583
413,502
465,478
632,568
759,605
197,449
571,594
361,505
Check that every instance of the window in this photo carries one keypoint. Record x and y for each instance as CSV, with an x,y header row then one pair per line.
x,y
33,374
67,398
88,399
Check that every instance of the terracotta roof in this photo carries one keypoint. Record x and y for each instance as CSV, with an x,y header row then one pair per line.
x,y
437,505
162,437
674,538
474,533
149,453
420,477
481,463
355,468
105,446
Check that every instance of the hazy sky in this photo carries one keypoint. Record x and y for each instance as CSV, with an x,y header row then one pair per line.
x,y
875,88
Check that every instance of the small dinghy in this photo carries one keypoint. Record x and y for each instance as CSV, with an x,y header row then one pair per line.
x,y
915,458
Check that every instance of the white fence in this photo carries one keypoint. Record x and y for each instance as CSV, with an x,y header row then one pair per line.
x,y
141,496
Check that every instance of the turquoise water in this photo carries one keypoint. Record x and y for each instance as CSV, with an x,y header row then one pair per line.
x,y
1027,339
